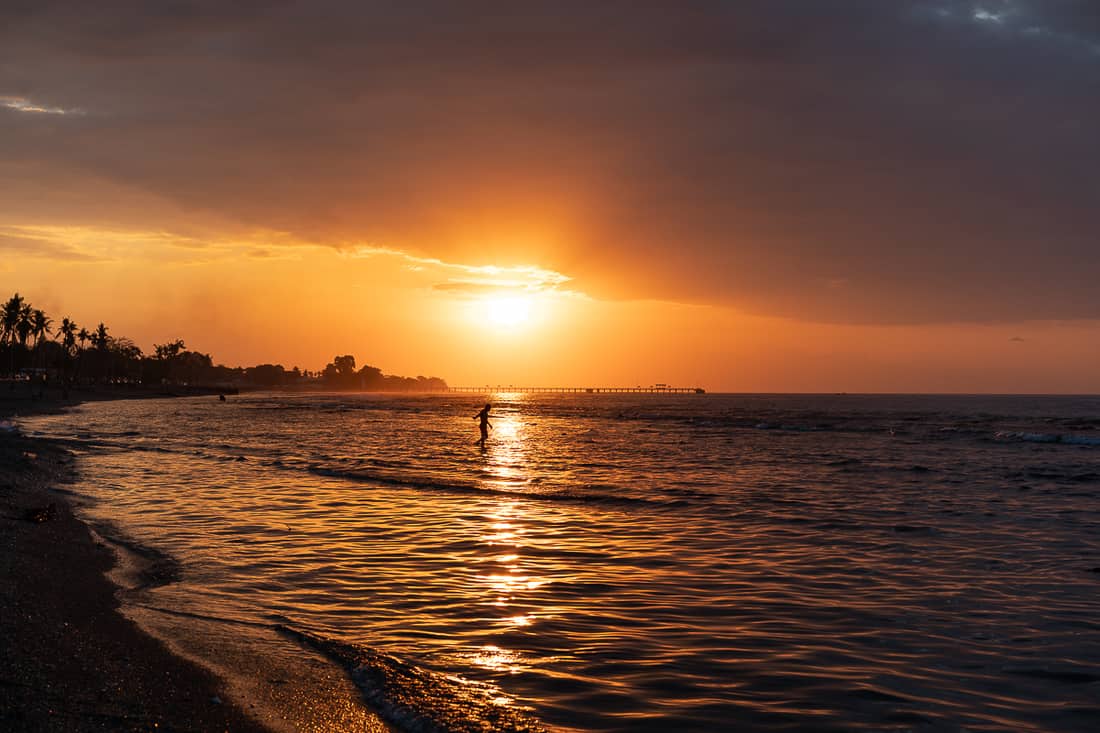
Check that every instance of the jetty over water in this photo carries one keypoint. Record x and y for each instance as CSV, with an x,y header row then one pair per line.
x,y
655,389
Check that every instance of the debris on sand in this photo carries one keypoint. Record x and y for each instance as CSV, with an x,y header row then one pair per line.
x,y
42,514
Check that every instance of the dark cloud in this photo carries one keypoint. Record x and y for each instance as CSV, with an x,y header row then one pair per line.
x,y
863,161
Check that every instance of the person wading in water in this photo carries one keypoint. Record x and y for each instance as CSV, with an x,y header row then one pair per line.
x,y
483,416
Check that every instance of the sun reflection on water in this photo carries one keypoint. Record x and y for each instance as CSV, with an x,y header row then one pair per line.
x,y
508,581
506,450
494,658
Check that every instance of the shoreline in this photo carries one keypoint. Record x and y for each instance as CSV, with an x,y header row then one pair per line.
x,y
69,658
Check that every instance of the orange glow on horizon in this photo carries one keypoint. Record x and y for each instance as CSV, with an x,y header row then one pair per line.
x,y
475,324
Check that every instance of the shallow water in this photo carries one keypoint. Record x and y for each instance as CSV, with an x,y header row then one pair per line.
x,y
636,562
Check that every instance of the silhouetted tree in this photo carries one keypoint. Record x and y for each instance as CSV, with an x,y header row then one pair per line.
x,y
101,362
117,359
83,337
370,378
266,375
25,325
341,372
345,365
194,365
124,360
169,350
40,326
66,335
10,321
40,329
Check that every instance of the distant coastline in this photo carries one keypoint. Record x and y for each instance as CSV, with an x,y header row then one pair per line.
x,y
39,352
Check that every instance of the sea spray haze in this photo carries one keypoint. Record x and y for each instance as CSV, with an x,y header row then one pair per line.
x,y
625,562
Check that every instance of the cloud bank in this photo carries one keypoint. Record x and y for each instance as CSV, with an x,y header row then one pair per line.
x,y
861,162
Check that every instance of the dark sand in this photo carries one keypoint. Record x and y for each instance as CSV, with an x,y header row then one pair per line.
x,y
69,661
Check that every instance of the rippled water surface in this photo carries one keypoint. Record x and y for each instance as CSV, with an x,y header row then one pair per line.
x,y
638,562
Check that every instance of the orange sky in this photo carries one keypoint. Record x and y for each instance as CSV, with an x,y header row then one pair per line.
x,y
408,315
753,196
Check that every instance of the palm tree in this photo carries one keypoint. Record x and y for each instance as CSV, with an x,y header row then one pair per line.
x,y
40,326
66,334
9,320
25,325
83,337
10,316
40,329
99,341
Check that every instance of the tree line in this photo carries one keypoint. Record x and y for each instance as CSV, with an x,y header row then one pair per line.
x,y
342,374
36,348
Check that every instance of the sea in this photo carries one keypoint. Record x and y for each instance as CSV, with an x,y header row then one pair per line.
x,y
613,562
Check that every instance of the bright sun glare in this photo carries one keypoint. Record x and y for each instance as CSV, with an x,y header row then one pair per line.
x,y
506,311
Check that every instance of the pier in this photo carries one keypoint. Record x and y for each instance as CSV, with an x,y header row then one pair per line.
x,y
655,389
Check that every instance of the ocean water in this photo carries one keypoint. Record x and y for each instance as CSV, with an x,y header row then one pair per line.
x,y
626,562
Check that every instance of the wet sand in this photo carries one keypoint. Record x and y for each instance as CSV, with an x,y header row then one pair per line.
x,y
69,661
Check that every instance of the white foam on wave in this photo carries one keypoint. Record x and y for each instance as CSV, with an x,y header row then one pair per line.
x,y
418,700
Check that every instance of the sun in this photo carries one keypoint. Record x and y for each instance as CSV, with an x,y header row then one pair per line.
x,y
506,311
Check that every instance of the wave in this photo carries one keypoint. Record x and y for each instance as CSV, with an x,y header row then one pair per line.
x,y
533,489
412,699
418,700
432,484
784,427
1063,438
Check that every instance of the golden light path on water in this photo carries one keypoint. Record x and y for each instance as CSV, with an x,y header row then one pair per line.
x,y
506,534
620,563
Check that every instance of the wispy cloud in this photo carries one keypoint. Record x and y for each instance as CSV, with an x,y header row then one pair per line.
x,y
475,279
44,249
106,243
1027,22
109,243
273,253
22,104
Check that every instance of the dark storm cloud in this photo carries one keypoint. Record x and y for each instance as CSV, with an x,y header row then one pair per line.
x,y
859,161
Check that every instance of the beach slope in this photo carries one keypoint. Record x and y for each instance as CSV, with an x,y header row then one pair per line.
x,y
69,661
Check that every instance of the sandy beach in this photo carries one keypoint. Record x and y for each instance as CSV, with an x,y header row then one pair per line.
x,y
69,661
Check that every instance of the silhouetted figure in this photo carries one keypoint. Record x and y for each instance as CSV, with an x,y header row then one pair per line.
x,y
483,416
221,398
